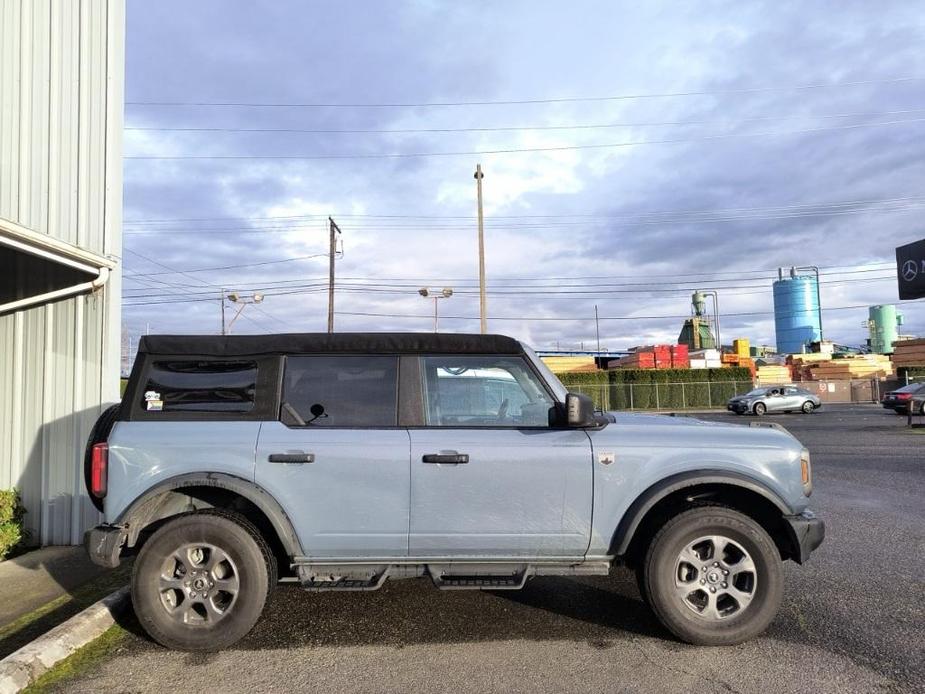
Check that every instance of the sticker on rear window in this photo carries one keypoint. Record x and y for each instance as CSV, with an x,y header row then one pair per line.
x,y
153,401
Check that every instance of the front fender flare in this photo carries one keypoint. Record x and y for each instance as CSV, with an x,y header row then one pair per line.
x,y
630,521
139,513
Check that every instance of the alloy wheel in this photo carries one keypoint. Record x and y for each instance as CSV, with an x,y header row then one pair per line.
x,y
715,577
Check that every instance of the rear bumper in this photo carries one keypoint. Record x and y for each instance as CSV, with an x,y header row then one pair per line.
x,y
104,544
807,532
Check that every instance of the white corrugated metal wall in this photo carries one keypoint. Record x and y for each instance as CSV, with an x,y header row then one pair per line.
x,y
61,101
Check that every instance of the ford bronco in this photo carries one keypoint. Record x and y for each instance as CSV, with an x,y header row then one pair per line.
x,y
338,461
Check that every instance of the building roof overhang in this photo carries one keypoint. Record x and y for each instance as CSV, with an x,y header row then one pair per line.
x,y
36,268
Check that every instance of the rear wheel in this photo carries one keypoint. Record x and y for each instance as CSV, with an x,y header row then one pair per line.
x,y
713,577
760,408
201,581
808,407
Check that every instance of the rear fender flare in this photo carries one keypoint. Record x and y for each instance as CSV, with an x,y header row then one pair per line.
x,y
144,509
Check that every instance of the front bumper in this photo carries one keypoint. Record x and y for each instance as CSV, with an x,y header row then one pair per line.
x,y
738,407
807,533
104,545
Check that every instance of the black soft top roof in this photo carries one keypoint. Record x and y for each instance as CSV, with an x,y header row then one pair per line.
x,y
326,343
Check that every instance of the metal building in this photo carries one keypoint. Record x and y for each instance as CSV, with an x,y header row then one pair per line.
x,y
797,313
61,101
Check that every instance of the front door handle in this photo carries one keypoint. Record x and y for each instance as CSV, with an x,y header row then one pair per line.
x,y
297,457
446,458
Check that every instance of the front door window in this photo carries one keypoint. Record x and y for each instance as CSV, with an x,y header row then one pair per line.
x,y
467,391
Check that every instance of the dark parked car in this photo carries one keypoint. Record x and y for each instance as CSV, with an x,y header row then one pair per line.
x,y
901,399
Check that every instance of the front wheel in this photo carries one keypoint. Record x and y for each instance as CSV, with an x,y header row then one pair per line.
x,y
760,408
713,577
201,581
808,407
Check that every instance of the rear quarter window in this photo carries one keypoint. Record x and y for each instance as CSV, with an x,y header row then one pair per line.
x,y
175,385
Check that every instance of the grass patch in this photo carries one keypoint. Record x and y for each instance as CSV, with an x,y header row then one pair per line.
x,y
80,661
17,634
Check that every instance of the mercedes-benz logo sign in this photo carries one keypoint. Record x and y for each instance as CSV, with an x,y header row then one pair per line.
x,y
910,270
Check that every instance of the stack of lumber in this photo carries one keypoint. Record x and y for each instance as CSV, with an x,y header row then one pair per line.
x,y
564,365
652,357
680,357
909,353
800,364
769,374
705,359
857,366
634,360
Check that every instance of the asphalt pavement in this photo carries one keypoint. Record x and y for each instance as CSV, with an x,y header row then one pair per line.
x,y
852,618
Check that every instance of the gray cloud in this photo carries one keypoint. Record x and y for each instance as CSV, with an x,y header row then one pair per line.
x,y
423,52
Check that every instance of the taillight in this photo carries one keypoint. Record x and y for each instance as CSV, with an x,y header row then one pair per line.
x,y
99,472
904,396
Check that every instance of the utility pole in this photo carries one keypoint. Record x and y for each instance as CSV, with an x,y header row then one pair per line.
x,y
483,318
335,230
221,298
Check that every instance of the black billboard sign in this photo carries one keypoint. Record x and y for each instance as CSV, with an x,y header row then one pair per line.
x,y
910,269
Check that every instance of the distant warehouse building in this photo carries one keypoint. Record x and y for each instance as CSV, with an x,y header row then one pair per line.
x,y
61,101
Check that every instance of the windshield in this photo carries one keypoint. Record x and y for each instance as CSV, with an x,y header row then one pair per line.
x,y
756,392
911,388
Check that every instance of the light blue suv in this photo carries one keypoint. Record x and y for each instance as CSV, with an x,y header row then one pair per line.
x,y
339,461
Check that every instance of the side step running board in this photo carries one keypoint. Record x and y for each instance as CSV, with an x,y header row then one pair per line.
x,y
312,580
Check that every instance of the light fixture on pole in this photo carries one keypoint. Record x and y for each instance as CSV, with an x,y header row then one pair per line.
x,y
445,293
243,300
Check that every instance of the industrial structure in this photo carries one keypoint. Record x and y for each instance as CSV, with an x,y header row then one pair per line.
x,y
696,332
61,102
797,311
883,323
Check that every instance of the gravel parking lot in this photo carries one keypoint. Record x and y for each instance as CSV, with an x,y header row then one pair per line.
x,y
852,617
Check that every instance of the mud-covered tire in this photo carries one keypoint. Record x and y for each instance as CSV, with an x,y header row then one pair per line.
x,y
213,550
664,581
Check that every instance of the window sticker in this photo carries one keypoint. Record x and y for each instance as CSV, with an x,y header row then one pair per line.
x,y
153,402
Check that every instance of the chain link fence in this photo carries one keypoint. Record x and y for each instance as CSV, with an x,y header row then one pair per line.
x,y
714,394
661,396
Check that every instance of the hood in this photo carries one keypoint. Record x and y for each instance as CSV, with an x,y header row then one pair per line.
x,y
749,433
665,420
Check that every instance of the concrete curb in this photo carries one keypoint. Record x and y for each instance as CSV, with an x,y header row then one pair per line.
x,y
20,669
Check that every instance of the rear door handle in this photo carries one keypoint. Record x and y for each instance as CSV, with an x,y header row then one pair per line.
x,y
446,458
298,457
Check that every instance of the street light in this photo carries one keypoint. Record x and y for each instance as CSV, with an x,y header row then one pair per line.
x,y
445,293
238,298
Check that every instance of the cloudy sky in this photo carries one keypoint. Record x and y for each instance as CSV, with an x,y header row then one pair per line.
x,y
632,153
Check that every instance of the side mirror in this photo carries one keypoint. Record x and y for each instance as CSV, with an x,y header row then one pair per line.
x,y
579,410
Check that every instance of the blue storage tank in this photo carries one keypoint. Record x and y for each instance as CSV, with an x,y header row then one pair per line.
x,y
796,312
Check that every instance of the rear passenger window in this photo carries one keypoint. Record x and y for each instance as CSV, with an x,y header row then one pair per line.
x,y
355,391
200,386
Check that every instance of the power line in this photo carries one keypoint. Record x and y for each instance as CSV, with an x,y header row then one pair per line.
x,y
517,128
509,150
516,102
599,281
725,210
712,279
227,267
571,293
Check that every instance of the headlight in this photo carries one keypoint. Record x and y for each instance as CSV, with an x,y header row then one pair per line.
x,y
806,472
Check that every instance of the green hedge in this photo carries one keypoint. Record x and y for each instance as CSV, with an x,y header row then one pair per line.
x,y
11,515
645,389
